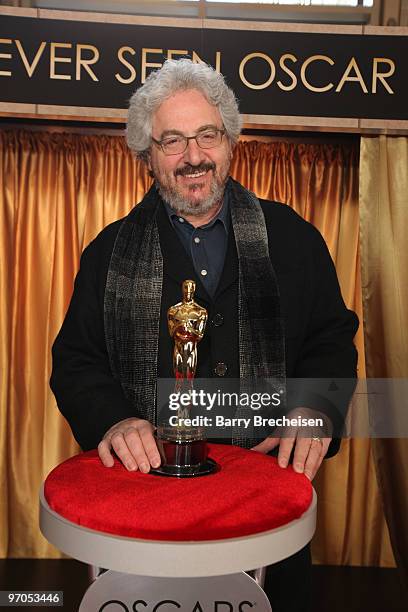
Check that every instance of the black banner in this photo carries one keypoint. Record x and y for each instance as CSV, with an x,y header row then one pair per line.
x,y
93,64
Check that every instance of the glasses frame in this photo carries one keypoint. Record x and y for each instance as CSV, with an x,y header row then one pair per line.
x,y
187,139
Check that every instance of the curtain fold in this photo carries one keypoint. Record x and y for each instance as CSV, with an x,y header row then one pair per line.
x,y
58,191
384,224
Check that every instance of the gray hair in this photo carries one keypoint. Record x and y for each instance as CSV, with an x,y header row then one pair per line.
x,y
174,76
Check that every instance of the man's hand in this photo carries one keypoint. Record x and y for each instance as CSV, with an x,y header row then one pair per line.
x,y
309,451
134,444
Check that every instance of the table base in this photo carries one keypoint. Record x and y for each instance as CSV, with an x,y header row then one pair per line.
x,y
119,591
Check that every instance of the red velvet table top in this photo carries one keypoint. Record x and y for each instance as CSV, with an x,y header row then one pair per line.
x,y
250,494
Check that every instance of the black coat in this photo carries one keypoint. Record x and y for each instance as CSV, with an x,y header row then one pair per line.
x,y
319,330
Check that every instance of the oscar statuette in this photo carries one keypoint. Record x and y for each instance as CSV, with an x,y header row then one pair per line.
x,y
183,448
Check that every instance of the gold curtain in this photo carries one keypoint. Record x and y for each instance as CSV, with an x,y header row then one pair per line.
x,y
58,192
384,225
320,182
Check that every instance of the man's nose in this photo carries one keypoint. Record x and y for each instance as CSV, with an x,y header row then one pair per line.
x,y
193,154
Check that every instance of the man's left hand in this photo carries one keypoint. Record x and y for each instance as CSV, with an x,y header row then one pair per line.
x,y
310,444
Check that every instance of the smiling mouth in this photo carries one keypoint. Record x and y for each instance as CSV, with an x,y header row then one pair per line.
x,y
191,172
195,174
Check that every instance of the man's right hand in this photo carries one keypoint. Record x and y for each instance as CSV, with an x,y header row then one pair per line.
x,y
134,444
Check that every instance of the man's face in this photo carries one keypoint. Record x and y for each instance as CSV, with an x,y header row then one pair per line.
x,y
191,182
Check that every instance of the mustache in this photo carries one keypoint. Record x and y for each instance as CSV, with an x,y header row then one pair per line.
x,y
190,169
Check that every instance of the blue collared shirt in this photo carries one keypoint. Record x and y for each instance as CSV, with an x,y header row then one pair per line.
x,y
206,245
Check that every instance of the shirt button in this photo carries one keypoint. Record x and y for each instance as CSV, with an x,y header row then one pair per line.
x,y
220,368
217,320
203,272
181,219
197,240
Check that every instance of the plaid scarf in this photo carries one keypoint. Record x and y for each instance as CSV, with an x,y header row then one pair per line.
x,y
133,297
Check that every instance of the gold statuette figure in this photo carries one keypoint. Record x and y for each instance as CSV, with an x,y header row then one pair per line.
x,y
186,321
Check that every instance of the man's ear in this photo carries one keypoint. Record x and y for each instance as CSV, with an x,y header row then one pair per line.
x,y
148,162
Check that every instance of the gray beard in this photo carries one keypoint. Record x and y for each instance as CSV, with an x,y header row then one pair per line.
x,y
184,206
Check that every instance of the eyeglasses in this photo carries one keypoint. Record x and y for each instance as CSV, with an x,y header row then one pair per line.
x,y
174,145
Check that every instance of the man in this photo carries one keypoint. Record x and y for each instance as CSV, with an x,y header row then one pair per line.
x,y
255,264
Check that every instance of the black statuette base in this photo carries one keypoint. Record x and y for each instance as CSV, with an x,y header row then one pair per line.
x,y
183,453
209,466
